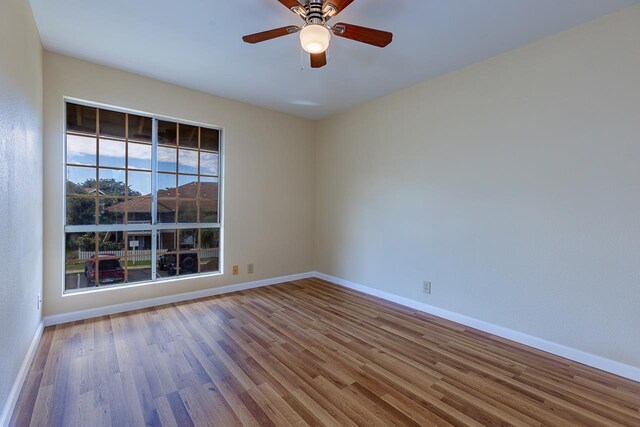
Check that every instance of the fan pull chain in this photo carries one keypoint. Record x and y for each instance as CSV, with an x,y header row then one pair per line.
x,y
301,59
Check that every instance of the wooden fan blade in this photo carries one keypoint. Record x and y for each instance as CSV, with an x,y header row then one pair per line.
x,y
271,34
363,34
318,60
339,5
290,4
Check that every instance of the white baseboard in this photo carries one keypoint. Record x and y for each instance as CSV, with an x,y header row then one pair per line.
x,y
595,361
599,362
10,404
57,319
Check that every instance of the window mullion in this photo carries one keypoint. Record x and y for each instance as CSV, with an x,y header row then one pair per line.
x,y
154,196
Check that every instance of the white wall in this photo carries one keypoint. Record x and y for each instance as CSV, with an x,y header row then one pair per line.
x,y
268,188
20,187
513,185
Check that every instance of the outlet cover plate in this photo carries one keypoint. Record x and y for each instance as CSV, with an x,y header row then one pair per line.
x,y
426,287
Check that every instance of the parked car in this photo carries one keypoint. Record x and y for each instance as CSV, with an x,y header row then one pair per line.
x,y
110,270
188,263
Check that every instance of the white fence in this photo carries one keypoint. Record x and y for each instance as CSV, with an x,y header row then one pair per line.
x,y
209,253
140,255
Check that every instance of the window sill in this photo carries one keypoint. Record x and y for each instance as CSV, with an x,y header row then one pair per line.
x,y
162,281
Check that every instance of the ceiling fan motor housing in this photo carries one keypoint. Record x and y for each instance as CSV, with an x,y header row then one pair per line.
x,y
314,12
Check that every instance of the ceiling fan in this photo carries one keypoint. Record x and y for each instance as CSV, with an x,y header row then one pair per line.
x,y
315,34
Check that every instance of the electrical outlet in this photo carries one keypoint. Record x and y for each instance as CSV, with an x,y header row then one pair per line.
x,y
250,268
39,301
427,287
235,270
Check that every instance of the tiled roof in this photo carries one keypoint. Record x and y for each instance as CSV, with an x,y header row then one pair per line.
x,y
208,199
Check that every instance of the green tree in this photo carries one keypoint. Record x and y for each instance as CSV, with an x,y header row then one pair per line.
x,y
210,237
108,187
82,211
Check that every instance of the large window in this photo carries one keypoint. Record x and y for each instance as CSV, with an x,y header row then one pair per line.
x,y
142,198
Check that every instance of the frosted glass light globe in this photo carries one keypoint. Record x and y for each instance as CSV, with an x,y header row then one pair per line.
x,y
315,38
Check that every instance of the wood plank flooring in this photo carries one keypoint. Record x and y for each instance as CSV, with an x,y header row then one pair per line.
x,y
305,353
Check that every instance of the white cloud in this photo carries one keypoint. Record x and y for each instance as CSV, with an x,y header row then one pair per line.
x,y
139,151
78,146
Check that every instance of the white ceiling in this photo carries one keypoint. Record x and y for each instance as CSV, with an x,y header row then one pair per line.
x,y
197,43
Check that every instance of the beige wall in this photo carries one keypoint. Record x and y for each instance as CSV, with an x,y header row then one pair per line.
x,y
20,187
513,185
269,157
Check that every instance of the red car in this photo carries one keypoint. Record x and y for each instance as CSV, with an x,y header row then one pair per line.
x,y
110,270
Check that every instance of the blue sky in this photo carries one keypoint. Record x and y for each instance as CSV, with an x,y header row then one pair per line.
x,y
81,150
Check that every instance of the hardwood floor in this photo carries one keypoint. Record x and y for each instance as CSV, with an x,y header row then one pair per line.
x,y
305,353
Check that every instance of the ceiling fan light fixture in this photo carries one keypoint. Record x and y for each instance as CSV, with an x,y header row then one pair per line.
x,y
315,33
315,38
